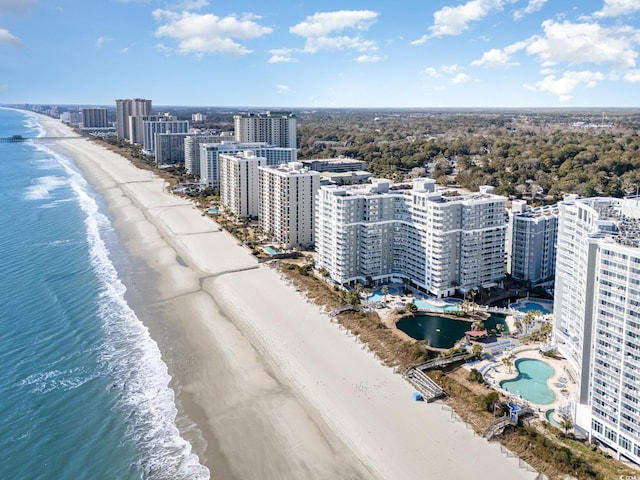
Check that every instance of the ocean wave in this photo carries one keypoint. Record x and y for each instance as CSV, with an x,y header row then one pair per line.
x,y
44,187
132,358
45,382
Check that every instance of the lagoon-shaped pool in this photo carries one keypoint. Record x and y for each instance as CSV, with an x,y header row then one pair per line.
x,y
531,382
442,332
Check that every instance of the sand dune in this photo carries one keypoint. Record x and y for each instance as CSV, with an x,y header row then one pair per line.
x,y
276,389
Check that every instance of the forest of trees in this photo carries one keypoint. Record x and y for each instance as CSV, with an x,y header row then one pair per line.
x,y
538,156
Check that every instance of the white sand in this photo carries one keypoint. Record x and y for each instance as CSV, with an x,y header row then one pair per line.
x,y
278,391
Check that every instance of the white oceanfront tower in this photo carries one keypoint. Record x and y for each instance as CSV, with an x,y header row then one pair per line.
x,y
286,204
597,315
441,242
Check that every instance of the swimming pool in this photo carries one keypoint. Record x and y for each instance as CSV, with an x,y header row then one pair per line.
x,y
531,382
427,305
441,332
270,250
531,306
550,414
378,296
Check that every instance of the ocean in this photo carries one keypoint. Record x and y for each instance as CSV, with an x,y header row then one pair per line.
x,y
84,393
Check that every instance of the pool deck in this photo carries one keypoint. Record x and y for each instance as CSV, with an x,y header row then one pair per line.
x,y
496,372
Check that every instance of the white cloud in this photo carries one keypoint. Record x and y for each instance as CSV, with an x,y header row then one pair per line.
x,y
281,55
532,7
461,78
632,76
4,88
16,6
368,58
455,20
191,5
499,58
124,50
208,33
282,88
493,58
431,72
451,72
101,41
576,43
320,29
563,87
615,8
451,69
7,38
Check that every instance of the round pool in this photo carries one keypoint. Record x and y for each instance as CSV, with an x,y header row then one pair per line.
x,y
531,382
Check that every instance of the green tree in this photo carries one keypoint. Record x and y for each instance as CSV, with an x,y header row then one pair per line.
x,y
385,292
507,362
477,350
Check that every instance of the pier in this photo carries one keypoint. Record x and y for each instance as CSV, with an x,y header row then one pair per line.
x,y
21,139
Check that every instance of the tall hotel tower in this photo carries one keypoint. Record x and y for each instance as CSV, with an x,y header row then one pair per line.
x,y
597,315
531,242
440,242
286,203
274,128
125,109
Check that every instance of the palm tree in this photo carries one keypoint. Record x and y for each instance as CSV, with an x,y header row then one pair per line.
x,y
566,423
499,328
476,350
385,292
507,363
477,325
518,325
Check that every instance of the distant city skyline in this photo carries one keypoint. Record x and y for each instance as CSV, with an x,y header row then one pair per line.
x,y
374,54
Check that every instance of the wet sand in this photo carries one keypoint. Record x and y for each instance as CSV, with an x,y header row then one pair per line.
x,y
276,390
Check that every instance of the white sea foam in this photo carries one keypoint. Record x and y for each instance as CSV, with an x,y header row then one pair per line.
x,y
45,382
133,359
44,186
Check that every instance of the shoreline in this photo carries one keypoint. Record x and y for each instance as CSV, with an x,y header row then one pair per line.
x,y
277,390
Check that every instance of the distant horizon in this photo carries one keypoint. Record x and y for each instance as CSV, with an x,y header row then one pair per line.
x,y
244,108
469,54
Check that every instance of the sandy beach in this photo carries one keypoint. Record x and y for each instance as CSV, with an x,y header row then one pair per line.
x,y
276,390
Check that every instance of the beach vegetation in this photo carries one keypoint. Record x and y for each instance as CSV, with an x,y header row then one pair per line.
x,y
475,376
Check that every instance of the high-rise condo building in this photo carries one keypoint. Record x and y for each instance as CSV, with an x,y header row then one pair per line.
x,y
286,204
136,107
597,315
152,125
239,183
441,242
192,149
531,242
169,148
210,153
94,117
274,128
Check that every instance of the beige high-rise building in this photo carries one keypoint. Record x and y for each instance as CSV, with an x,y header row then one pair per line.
x,y
287,193
239,185
274,128
125,109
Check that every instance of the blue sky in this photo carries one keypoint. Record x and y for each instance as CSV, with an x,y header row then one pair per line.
x,y
269,53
